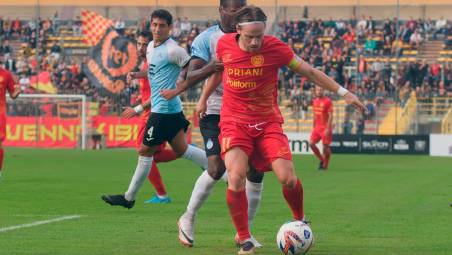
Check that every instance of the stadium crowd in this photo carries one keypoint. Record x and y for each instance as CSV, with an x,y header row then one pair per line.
x,y
331,45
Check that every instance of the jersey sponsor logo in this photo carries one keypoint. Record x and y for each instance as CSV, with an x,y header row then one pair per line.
x,y
247,72
227,58
241,85
257,60
209,144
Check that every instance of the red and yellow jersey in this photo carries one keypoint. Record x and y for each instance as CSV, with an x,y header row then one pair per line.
x,y
322,108
250,80
6,84
145,91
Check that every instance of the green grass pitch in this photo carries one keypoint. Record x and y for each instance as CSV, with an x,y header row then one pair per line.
x,y
365,204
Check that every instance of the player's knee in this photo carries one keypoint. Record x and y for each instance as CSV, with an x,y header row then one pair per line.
x,y
216,169
144,151
254,176
290,181
236,182
311,144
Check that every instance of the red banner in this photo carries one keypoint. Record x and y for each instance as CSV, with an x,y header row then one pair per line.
x,y
117,132
47,132
54,132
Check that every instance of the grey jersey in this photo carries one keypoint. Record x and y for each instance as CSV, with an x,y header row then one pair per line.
x,y
204,47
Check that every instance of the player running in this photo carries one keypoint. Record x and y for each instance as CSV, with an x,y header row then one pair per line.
x,y
162,154
202,65
166,60
6,84
251,122
322,108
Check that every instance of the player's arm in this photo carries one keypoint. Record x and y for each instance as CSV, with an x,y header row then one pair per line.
x,y
130,112
135,75
299,66
213,82
13,89
198,70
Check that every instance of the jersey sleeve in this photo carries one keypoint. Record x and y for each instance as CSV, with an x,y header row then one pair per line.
x,y
200,47
179,56
285,53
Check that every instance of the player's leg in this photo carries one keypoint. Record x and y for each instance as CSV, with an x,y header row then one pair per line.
x,y
291,186
326,140
156,179
254,187
153,137
188,151
315,138
206,181
237,165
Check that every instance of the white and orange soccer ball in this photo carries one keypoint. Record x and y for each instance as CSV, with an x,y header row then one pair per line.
x,y
295,238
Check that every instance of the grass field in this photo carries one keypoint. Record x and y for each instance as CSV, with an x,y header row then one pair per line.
x,y
363,205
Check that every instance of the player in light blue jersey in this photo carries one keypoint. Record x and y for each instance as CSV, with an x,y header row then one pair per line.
x,y
167,122
202,65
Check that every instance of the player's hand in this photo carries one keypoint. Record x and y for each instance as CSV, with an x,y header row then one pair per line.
x,y
168,94
128,113
201,108
352,99
130,77
216,65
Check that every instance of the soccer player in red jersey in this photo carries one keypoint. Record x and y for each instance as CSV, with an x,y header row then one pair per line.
x,y
162,154
251,122
6,84
322,108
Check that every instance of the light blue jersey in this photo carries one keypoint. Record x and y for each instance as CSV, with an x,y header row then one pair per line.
x,y
204,47
165,63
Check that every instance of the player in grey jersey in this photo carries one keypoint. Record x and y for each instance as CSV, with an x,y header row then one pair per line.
x,y
202,65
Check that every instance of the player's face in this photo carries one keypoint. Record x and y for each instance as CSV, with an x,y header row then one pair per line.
x,y
227,14
160,29
142,45
319,92
251,36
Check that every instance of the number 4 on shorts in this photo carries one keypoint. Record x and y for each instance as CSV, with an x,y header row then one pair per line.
x,y
150,131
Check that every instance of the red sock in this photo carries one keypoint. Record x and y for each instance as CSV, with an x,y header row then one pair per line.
x,y
294,198
2,153
165,155
327,154
156,180
238,209
317,152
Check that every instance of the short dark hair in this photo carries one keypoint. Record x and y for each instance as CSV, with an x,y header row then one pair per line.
x,y
225,2
249,13
162,14
146,34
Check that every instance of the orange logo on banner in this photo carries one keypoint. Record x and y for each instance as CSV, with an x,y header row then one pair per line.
x,y
257,60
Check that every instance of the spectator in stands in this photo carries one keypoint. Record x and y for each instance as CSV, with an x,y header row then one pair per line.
x,y
16,27
415,40
347,125
360,124
77,26
440,27
55,51
185,26
370,46
381,94
120,26
177,32
371,110
7,50
10,63
1,28
397,47
7,28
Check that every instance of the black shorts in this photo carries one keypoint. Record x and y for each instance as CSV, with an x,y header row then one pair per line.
x,y
164,127
210,132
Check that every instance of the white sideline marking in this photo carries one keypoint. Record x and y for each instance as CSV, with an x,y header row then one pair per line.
x,y
37,223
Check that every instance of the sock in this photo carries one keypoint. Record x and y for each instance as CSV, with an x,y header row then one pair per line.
x,y
156,180
196,155
225,176
327,154
316,151
165,155
294,198
201,191
238,209
2,154
254,196
142,170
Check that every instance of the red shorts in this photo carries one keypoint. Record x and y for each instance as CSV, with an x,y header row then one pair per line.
x,y
263,143
319,134
141,130
2,127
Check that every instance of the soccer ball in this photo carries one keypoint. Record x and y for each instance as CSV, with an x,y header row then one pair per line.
x,y
294,238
